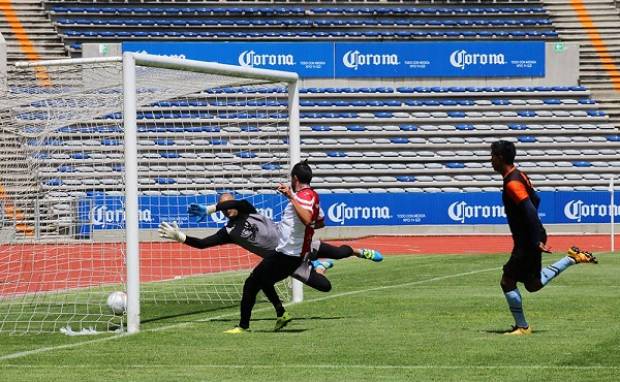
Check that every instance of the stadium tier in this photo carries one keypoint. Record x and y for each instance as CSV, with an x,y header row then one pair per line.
x,y
109,21
360,139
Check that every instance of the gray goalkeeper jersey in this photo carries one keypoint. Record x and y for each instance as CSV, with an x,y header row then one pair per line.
x,y
254,232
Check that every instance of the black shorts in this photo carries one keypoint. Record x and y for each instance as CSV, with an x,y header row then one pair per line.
x,y
524,265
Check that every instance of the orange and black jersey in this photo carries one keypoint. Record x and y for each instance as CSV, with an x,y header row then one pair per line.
x,y
521,204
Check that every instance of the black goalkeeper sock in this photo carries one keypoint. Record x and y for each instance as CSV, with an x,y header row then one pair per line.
x,y
280,311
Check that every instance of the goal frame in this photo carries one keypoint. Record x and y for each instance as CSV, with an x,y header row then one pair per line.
x,y
129,62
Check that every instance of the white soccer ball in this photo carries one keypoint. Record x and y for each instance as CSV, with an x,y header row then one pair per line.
x,y
117,302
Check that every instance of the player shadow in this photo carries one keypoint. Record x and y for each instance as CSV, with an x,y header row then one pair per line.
x,y
271,319
185,314
282,331
504,331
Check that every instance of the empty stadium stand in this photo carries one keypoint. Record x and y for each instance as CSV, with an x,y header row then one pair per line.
x,y
78,22
380,139
596,27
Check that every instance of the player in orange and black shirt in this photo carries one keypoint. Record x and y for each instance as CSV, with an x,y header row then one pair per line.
x,y
529,236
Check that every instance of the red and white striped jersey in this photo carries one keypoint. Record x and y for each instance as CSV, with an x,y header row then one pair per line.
x,y
295,238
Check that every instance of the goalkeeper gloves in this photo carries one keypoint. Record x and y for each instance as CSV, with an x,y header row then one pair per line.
x,y
200,211
171,232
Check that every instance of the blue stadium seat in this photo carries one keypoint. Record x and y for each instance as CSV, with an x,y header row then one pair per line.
x,y
336,154
164,180
527,139
55,182
406,178
321,128
246,154
271,166
356,128
399,140
582,164
408,127
169,154
455,165
164,141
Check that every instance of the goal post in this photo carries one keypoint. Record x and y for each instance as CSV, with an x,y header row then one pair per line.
x,y
130,60
216,128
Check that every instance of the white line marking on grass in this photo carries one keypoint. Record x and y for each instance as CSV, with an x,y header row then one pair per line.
x,y
329,366
183,324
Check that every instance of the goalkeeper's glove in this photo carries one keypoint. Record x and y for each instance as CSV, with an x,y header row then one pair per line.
x,y
200,211
171,232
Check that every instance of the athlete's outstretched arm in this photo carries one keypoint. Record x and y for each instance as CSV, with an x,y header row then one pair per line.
x,y
172,232
243,206
218,238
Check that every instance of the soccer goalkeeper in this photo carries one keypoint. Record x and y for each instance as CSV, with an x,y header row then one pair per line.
x,y
259,235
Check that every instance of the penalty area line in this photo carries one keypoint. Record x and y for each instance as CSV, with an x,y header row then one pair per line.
x,y
184,324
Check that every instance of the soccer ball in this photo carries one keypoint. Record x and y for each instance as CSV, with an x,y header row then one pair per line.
x,y
117,302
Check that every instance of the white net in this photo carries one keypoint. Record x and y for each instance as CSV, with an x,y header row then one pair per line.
x,y
62,188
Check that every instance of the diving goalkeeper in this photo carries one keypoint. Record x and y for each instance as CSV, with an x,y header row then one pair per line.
x,y
259,235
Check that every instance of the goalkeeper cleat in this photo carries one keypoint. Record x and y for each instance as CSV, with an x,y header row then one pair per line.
x,y
581,256
322,264
237,330
282,321
371,254
517,331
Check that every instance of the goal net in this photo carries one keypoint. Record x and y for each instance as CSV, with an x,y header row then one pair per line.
x,y
68,178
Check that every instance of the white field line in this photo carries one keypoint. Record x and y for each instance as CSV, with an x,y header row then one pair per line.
x,y
184,324
326,366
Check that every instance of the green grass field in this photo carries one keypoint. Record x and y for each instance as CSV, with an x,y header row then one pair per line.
x,y
410,318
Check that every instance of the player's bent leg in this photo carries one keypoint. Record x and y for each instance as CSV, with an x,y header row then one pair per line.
x,y
328,251
533,285
318,281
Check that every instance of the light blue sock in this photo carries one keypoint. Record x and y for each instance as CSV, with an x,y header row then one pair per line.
x,y
516,307
550,272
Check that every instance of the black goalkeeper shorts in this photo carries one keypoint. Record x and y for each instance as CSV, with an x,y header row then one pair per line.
x,y
524,265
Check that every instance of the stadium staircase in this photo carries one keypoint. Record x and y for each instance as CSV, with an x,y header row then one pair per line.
x,y
605,15
37,25
23,22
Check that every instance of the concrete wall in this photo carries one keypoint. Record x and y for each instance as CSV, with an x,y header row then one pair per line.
x,y
101,50
561,69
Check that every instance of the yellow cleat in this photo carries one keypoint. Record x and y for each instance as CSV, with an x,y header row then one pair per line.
x,y
237,330
581,256
517,331
282,321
